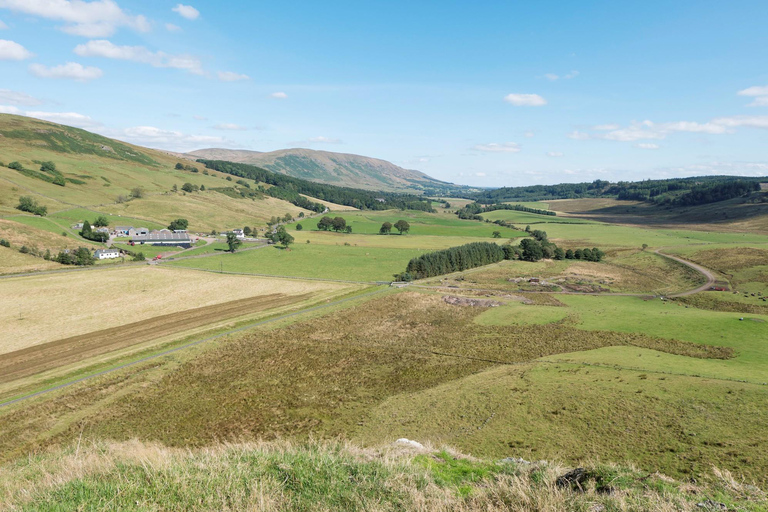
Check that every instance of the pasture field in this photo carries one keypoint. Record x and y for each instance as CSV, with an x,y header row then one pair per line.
x,y
348,263
418,242
745,267
75,215
408,364
14,262
206,210
40,232
123,295
149,251
422,223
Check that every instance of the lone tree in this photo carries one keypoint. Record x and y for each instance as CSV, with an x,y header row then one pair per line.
x,y
233,242
497,234
178,224
402,226
101,222
299,227
247,231
385,228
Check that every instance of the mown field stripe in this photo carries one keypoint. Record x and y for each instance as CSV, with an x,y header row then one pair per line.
x,y
186,346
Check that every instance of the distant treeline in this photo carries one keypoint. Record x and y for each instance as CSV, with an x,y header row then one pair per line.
x,y
454,259
289,189
473,210
676,191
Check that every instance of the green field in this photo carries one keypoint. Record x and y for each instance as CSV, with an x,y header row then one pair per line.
x,y
311,260
422,223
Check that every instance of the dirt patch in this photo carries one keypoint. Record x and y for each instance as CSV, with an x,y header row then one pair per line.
x,y
36,359
466,301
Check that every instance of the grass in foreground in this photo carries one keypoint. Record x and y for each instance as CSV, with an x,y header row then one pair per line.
x,y
336,476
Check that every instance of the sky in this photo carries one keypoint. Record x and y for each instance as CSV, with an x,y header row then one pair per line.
x,y
485,93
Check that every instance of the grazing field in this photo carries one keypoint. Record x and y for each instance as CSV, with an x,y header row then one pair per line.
x,y
14,262
410,364
745,268
206,210
39,358
418,242
76,215
40,232
348,263
101,299
422,223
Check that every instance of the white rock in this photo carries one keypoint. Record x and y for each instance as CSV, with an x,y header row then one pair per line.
x,y
408,442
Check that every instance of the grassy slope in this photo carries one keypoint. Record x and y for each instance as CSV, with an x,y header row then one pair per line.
x,y
335,476
107,174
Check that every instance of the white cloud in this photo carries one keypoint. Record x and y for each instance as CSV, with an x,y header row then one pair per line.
x,y
230,126
555,154
689,126
552,77
646,145
3,26
758,90
278,95
760,101
168,139
529,134
648,130
108,50
67,118
199,118
186,11
170,27
229,76
606,127
68,71
577,135
18,98
9,109
525,100
11,50
480,174
745,121
98,18
507,147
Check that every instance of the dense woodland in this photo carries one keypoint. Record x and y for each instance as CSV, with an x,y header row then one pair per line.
x,y
676,191
289,188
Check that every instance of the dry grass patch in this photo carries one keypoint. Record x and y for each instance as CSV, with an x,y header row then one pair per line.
x,y
100,299
14,262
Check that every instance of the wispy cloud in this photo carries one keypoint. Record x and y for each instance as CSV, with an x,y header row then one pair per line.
x,y
553,77
577,135
3,26
186,11
170,27
555,154
229,76
108,50
11,50
98,18
68,71
507,147
649,130
759,92
646,145
525,100
168,139
67,118
10,97
278,95
230,126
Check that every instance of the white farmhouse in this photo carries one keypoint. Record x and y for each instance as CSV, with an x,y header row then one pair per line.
x,y
106,254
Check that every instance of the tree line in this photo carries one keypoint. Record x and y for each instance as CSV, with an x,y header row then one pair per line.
x,y
473,211
289,188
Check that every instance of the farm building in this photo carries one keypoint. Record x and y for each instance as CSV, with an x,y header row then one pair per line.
x,y
102,230
238,233
163,237
138,232
79,225
123,230
106,254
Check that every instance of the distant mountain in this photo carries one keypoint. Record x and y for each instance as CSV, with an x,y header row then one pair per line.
x,y
332,168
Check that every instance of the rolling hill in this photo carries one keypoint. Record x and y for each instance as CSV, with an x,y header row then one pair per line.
x,y
332,168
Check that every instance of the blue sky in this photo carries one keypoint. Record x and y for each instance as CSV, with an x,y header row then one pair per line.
x,y
481,93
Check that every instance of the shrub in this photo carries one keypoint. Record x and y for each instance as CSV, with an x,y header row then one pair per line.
x,y
4,242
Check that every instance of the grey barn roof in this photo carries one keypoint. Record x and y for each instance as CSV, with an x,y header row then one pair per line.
x,y
163,236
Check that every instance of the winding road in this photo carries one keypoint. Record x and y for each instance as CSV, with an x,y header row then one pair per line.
x,y
711,279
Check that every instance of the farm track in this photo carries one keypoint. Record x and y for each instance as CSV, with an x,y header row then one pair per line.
x,y
39,358
711,279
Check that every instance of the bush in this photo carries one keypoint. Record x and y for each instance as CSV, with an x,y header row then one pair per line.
x,y
28,204
139,256
4,242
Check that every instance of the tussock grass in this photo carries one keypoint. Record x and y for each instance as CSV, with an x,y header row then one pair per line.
x,y
335,476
